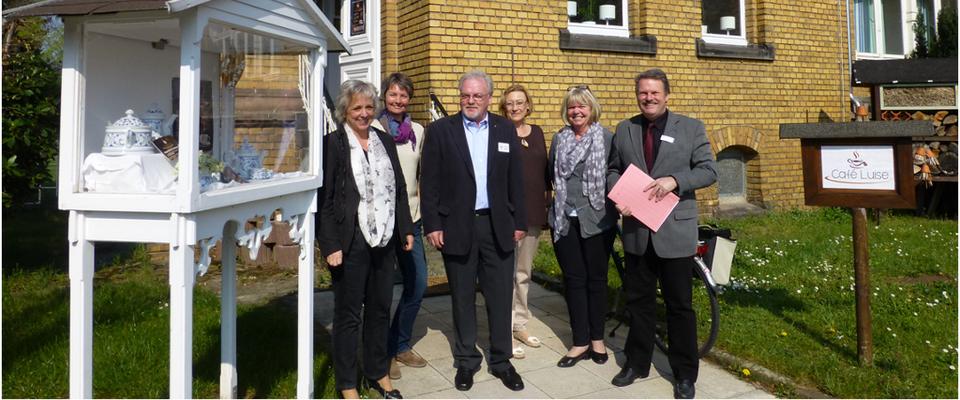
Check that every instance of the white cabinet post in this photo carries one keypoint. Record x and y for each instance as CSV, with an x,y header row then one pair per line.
x,y
81,309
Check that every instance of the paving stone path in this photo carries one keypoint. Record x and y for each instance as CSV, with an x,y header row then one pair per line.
x,y
433,340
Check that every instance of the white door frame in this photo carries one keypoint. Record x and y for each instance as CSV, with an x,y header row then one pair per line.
x,y
364,63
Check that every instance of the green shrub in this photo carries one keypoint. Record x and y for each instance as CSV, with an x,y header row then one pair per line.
x,y
945,45
31,115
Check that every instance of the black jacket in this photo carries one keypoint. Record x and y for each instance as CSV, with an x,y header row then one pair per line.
x,y
448,187
340,198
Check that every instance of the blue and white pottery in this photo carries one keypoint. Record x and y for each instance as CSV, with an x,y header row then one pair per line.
x,y
261,173
245,159
154,118
129,135
208,179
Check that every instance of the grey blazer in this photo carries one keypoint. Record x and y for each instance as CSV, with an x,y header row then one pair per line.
x,y
592,222
688,159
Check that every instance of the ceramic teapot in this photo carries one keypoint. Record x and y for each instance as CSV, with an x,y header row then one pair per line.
x,y
245,159
155,118
129,135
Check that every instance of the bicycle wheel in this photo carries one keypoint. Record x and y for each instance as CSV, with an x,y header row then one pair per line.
x,y
707,309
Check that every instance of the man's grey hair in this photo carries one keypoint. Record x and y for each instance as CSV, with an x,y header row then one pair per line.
x,y
477,74
347,90
655,73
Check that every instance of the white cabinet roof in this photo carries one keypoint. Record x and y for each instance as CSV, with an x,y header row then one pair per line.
x,y
296,19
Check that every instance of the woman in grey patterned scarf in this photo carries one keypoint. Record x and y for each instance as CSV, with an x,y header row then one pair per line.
x,y
358,229
581,220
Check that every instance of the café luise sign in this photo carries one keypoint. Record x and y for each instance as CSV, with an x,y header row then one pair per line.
x,y
858,165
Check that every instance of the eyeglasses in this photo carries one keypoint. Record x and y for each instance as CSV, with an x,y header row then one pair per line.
x,y
476,97
587,88
520,103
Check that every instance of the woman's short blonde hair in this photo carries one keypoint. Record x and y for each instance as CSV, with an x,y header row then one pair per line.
x,y
582,95
511,89
347,90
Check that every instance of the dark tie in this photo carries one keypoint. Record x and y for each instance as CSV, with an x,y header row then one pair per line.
x,y
648,148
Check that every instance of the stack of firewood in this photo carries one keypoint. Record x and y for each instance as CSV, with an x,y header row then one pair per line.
x,y
944,123
935,158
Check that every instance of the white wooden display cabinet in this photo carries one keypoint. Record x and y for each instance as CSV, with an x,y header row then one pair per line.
x,y
128,60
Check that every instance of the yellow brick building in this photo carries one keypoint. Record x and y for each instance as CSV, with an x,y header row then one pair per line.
x,y
793,67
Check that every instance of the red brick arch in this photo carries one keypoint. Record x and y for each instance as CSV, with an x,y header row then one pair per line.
x,y
736,135
750,141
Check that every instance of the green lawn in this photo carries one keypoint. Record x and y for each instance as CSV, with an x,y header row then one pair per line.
x,y
132,325
790,302
789,307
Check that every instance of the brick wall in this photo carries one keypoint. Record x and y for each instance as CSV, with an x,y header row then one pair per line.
x,y
741,101
267,94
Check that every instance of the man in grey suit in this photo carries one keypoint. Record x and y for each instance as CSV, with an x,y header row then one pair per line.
x,y
474,211
673,149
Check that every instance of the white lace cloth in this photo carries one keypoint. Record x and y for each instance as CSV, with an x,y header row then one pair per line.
x,y
276,177
149,173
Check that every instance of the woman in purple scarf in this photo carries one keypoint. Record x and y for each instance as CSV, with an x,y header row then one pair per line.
x,y
396,91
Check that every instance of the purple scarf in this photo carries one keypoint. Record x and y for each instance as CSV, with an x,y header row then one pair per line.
x,y
404,130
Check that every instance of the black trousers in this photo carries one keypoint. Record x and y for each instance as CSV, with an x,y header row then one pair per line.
x,y
363,281
675,276
493,267
584,263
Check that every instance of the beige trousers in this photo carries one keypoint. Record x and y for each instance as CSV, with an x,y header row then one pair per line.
x,y
526,251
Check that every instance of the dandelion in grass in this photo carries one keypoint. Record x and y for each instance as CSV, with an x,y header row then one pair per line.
x,y
746,372
783,333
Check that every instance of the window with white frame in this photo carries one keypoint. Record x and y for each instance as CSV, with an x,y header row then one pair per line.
x,y
879,28
723,22
598,17
884,28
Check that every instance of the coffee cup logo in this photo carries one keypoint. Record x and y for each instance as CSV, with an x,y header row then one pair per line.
x,y
856,162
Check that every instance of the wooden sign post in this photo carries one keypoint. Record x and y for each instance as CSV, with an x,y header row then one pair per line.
x,y
858,165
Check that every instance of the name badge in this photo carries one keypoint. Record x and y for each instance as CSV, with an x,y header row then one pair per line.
x,y
504,147
665,138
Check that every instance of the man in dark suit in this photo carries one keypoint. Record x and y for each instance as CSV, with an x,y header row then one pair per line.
x,y
474,211
673,149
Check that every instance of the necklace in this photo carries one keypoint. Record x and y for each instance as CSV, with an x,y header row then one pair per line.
x,y
523,137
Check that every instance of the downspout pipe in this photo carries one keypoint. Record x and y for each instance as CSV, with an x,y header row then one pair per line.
x,y
850,54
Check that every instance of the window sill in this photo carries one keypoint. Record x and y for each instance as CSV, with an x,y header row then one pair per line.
x,y
643,44
763,52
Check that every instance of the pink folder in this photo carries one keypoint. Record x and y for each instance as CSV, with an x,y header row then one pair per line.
x,y
629,191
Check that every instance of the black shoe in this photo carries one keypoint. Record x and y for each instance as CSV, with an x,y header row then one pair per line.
x,y
393,394
626,376
684,390
567,362
464,379
599,358
510,378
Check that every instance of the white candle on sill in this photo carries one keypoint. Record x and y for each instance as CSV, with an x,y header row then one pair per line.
x,y
728,24
608,12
